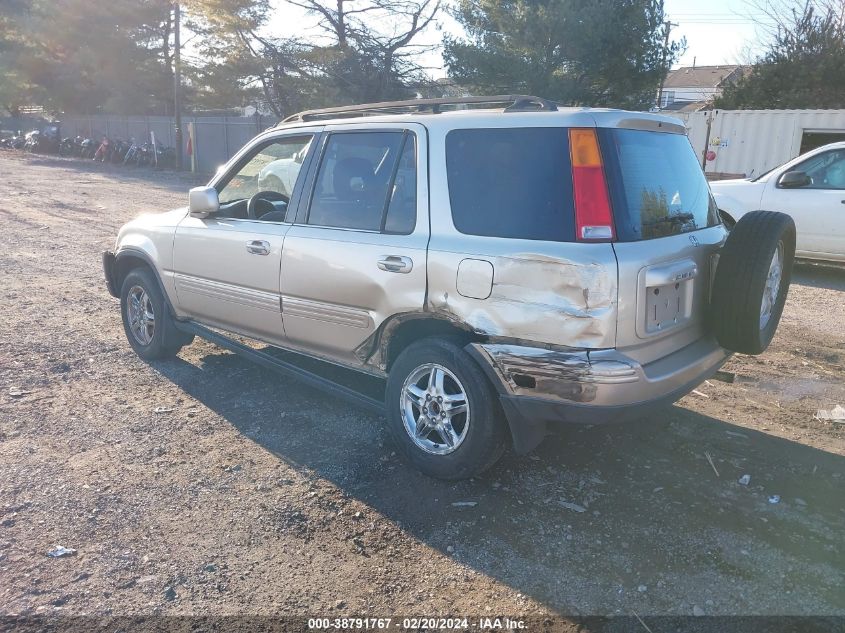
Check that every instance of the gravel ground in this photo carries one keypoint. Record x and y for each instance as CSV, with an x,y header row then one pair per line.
x,y
206,485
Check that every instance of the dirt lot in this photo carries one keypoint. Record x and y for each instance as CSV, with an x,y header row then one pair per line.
x,y
206,485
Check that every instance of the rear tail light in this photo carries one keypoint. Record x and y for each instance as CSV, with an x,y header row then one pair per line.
x,y
593,216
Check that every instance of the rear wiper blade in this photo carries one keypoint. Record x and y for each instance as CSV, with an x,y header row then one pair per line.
x,y
679,218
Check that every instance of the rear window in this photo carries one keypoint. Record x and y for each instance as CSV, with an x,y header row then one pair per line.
x,y
656,185
513,183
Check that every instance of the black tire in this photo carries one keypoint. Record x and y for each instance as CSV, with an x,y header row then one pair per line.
x,y
166,340
484,441
741,280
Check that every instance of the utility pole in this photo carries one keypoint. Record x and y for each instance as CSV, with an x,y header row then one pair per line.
x,y
177,83
668,26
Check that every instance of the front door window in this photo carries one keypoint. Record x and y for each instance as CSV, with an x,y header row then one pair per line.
x,y
272,169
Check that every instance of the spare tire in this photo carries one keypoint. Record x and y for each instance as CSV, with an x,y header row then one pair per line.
x,y
752,279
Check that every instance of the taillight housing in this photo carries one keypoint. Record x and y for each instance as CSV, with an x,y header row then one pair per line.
x,y
593,215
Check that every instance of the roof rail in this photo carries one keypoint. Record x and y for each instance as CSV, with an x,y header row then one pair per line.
x,y
512,103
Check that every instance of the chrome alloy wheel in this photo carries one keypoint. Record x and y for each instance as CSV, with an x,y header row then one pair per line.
x,y
435,409
772,289
140,314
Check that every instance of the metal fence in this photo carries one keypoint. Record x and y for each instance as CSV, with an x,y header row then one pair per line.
x,y
213,139
21,124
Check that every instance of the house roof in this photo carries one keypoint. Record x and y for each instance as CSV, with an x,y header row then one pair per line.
x,y
699,76
685,106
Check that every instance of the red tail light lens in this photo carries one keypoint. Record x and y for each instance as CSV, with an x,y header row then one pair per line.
x,y
593,216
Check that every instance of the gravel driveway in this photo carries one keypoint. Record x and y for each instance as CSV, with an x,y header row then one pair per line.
x,y
206,485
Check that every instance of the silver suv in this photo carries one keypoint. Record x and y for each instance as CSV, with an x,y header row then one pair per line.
x,y
497,264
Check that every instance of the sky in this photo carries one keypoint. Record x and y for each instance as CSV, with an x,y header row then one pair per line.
x,y
717,31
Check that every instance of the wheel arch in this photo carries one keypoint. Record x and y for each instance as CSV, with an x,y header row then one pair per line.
x,y
727,218
398,332
128,259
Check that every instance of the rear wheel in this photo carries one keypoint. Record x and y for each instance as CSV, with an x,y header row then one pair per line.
x,y
146,318
752,280
443,412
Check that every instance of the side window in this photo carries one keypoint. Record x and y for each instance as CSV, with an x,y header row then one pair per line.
x,y
402,210
273,167
826,170
366,181
511,182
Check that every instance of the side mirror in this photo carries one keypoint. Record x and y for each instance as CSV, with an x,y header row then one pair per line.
x,y
203,201
794,180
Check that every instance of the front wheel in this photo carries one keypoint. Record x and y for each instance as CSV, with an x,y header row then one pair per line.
x,y
442,411
146,318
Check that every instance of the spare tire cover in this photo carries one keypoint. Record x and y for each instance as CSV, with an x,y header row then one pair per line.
x,y
751,282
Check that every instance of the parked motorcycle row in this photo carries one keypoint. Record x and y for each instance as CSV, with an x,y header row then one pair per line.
x,y
104,150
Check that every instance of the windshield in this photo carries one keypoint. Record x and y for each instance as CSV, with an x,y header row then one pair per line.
x,y
657,186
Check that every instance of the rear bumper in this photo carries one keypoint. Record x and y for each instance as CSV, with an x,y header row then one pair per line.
x,y
538,387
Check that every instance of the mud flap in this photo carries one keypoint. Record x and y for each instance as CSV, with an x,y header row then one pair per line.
x,y
526,433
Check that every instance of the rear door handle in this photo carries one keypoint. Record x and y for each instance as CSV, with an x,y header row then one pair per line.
x,y
396,264
258,247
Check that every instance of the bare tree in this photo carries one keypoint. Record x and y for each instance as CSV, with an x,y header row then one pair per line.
x,y
378,34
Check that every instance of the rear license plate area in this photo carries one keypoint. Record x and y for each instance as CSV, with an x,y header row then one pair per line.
x,y
665,306
666,296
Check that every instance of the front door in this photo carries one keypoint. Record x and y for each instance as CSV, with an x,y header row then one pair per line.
x,y
357,253
226,266
818,208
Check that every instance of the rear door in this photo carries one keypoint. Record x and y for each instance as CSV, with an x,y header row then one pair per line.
x,y
668,235
357,252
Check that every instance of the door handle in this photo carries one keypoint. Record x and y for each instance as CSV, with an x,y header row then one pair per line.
x,y
396,264
258,247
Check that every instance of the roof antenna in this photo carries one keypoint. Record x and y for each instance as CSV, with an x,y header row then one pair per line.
x,y
693,63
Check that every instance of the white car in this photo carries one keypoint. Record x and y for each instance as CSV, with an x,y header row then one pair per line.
x,y
810,188
280,175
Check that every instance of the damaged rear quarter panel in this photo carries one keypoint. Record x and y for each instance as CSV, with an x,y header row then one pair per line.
x,y
552,293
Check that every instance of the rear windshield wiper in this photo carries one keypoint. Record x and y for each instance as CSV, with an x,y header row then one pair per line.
x,y
678,218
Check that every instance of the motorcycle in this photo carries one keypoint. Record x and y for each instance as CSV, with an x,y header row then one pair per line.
x,y
31,141
50,139
131,152
166,157
102,150
87,148
71,146
13,142
118,151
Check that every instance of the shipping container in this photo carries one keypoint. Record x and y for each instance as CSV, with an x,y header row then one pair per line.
x,y
736,143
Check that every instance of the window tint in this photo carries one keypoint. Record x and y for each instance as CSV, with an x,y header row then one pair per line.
x,y
274,167
826,170
514,183
354,183
656,183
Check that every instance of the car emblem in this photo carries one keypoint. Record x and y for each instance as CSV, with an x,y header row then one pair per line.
x,y
693,240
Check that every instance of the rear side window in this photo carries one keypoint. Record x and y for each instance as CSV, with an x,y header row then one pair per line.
x,y
656,184
366,181
513,183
